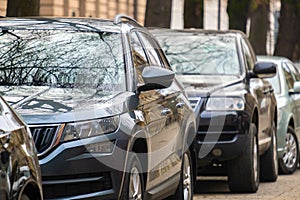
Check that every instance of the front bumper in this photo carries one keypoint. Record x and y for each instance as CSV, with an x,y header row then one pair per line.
x,y
71,171
221,136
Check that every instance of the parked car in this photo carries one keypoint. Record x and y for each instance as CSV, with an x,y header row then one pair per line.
x,y
236,108
286,84
20,175
109,119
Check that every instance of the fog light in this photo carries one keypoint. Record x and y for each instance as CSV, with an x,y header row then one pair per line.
x,y
103,147
217,152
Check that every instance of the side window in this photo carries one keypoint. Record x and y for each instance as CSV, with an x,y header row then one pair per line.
x,y
151,49
288,76
248,55
294,71
139,56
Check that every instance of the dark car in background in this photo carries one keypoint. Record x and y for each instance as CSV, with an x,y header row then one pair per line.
x,y
109,119
235,106
286,86
20,175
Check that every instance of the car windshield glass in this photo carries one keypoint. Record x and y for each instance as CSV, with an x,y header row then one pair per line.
x,y
201,54
62,59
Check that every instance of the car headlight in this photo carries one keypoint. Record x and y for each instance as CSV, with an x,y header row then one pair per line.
x,y
225,103
84,129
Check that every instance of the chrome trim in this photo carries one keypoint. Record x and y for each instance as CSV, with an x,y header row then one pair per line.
x,y
47,134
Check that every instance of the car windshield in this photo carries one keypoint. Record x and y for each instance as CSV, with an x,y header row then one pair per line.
x,y
62,59
201,54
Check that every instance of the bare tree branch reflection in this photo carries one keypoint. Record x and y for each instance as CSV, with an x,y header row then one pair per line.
x,y
63,59
205,55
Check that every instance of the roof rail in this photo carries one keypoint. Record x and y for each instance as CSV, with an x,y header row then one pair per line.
x,y
119,17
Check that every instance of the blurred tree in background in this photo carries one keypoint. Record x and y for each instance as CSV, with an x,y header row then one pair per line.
x,y
237,11
259,23
21,8
158,13
193,14
289,30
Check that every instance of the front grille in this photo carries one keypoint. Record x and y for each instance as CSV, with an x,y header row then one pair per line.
x,y
71,186
194,101
43,137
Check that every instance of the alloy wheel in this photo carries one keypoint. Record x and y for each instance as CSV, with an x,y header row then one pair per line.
x,y
135,187
290,151
187,178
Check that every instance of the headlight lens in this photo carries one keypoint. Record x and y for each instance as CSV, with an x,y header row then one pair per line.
x,y
84,129
225,103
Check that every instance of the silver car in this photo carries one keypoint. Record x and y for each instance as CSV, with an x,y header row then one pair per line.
x,y
287,90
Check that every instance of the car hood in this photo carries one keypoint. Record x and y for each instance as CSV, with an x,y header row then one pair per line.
x,y
42,104
204,86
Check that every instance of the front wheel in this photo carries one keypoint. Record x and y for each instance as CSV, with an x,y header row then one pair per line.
x,y
134,183
269,161
243,172
185,188
288,163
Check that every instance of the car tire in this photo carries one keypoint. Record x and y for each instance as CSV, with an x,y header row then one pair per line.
x,y
185,189
24,197
288,163
269,160
134,182
243,172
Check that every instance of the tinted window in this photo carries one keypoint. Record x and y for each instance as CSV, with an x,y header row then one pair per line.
x,y
62,59
248,55
288,76
201,54
140,59
294,71
151,49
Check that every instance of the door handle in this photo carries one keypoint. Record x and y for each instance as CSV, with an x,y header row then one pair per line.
x,y
165,111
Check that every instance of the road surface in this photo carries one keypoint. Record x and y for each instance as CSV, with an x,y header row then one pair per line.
x,y
287,187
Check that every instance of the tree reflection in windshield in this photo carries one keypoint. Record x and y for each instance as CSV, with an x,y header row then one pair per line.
x,y
62,59
201,54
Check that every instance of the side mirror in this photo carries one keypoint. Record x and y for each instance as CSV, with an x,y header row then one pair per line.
x,y
156,78
296,87
265,69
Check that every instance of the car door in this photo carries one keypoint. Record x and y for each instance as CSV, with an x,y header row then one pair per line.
x,y
160,109
292,76
262,90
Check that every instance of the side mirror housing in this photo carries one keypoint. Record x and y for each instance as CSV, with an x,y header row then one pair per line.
x,y
265,69
156,78
296,87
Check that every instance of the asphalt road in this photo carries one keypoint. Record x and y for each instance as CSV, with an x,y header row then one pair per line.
x,y
287,187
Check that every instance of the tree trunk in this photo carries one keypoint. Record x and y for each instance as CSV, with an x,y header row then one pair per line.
x,y
259,26
193,14
21,8
289,29
158,13
237,11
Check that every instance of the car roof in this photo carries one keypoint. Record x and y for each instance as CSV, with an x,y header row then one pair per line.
x,y
56,23
170,32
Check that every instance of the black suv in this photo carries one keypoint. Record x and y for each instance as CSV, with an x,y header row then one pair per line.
x,y
236,107
109,119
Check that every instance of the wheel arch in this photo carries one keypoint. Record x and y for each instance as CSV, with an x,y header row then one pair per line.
x,y
140,147
32,190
